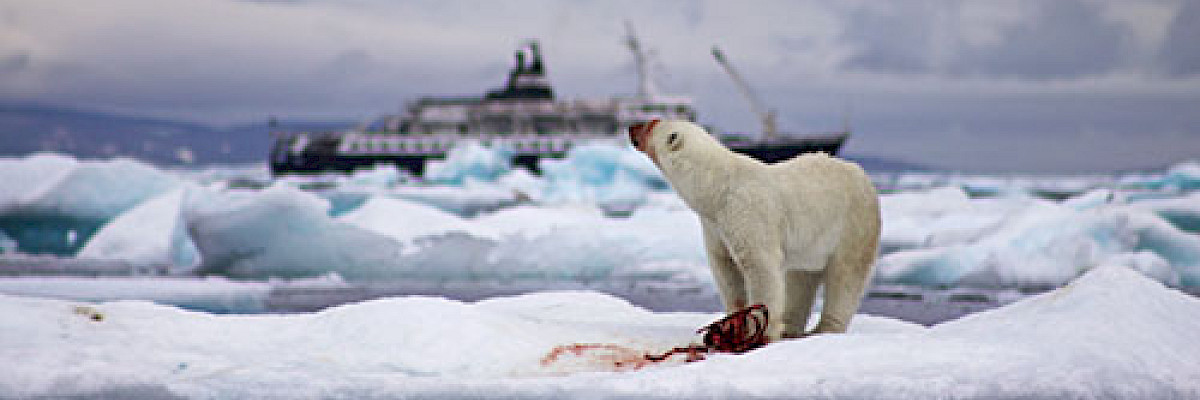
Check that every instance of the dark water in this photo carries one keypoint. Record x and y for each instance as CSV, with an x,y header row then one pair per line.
x,y
914,304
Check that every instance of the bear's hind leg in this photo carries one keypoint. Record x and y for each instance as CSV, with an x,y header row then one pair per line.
x,y
800,292
845,280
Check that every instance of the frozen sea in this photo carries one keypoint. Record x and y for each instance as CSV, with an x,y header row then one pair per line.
x,y
221,282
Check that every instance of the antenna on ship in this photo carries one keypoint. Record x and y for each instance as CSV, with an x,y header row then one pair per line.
x,y
641,58
766,116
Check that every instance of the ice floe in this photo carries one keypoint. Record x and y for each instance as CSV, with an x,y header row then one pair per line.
x,y
1111,333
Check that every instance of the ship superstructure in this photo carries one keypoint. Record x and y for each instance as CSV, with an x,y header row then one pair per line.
x,y
525,116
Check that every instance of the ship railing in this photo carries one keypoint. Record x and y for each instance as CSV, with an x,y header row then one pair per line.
x,y
380,144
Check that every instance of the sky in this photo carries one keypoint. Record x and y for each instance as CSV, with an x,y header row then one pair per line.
x,y
1062,86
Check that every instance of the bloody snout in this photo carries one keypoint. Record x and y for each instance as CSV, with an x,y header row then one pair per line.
x,y
639,134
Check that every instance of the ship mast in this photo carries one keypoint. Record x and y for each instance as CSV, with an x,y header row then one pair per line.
x,y
765,115
646,87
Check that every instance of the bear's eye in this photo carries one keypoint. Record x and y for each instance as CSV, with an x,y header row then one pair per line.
x,y
671,139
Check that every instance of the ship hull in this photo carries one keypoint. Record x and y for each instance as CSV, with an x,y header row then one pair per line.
x,y
781,150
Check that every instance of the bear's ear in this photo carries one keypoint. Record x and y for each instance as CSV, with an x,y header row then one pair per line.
x,y
674,141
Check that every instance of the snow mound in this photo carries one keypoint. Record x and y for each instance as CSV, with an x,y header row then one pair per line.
x,y
281,232
472,198
944,238
1110,334
52,184
405,221
470,160
600,173
582,243
152,234
1183,212
51,204
1183,176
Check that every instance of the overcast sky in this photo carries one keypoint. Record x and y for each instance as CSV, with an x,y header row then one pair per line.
x,y
1038,86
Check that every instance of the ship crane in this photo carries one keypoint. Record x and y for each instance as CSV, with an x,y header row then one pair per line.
x,y
641,58
765,115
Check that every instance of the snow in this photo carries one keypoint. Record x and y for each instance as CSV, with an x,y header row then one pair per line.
x,y
230,238
151,234
51,184
1111,333
51,204
405,221
1183,176
582,243
942,237
281,232
1183,212
469,159
472,198
603,174
284,232
28,179
601,212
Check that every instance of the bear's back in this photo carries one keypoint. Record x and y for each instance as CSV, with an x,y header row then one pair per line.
x,y
821,175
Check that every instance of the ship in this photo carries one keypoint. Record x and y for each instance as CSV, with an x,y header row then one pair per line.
x,y
527,118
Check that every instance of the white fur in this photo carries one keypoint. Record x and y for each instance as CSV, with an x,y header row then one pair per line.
x,y
775,232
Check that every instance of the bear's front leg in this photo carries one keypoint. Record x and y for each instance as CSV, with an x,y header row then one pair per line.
x,y
764,282
726,273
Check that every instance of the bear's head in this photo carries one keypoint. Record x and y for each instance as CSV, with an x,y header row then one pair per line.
x,y
662,140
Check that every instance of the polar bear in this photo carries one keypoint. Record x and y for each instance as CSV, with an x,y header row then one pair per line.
x,y
773,233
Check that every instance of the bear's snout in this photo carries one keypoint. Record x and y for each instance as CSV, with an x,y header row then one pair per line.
x,y
633,135
639,134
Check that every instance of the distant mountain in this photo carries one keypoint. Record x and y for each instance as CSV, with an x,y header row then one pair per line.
x,y
26,129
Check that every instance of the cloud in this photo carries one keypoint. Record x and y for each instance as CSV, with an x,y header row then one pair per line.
x,y
1062,39
15,63
1180,54
908,68
1037,40
212,59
